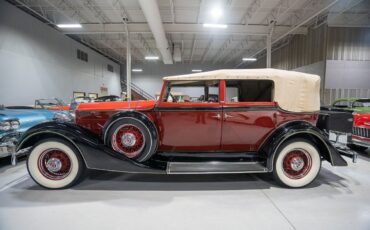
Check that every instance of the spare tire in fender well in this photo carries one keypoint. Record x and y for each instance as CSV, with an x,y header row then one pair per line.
x,y
130,114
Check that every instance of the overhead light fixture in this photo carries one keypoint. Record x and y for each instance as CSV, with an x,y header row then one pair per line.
x,y
69,25
196,70
219,26
249,59
137,70
217,12
151,58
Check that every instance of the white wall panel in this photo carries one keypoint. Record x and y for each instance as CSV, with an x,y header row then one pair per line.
x,y
37,61
341,74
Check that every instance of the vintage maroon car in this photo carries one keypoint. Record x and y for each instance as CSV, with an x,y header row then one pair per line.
x,y
260,121
361,131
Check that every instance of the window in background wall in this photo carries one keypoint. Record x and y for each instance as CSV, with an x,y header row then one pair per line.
x,y
110,68
78,94
93,95
82,55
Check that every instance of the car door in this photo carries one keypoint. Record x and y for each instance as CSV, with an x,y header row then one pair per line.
x,y
249,114
193,123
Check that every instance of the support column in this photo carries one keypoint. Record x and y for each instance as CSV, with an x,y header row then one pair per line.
x,y
268,44
128,66
268,50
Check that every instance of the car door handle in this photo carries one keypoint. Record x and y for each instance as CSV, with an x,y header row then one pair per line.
x,y
218,116
227,116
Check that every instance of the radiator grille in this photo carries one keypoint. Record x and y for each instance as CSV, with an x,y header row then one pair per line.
x,y
362,132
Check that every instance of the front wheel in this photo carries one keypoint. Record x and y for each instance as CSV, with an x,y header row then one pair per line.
x,y
55,164
297,163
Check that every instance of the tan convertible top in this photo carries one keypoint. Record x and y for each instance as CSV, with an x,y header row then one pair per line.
x,y
293,91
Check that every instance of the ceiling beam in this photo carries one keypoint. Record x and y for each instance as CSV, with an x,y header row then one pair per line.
x,y
151,12
262,30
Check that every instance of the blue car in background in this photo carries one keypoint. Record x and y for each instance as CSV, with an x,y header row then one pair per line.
x,y
14,122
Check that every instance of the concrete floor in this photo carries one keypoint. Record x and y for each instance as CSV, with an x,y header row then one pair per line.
x,y
338,199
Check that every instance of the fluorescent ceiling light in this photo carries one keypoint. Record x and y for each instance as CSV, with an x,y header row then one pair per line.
x,y
69,25
151,58
196,70
137,70
249,59
216,12
210,25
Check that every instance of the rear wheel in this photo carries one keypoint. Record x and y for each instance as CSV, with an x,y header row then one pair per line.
x,y
297,163
55,164
132,138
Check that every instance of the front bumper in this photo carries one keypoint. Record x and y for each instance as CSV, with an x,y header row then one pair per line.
x,y
8,143
361,141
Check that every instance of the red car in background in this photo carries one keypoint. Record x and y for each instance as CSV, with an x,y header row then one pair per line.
x,y
361,131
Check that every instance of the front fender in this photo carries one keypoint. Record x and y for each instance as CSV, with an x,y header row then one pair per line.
x,y
302,129
93,151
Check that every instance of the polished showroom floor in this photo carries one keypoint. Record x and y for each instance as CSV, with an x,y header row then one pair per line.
x,y
338,199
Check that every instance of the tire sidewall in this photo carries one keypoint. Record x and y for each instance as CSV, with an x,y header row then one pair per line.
x,y
150,145
284,150
76,164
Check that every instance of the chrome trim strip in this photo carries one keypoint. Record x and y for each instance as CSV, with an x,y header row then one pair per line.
x,y
220,164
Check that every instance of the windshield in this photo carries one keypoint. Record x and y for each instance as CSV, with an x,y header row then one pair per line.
x,y
46,103
361,103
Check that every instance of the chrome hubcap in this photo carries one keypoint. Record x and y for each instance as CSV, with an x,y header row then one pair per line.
x,y
53,165
297,163
128,139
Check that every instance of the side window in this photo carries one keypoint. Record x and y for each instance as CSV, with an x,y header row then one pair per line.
x,y
249,91
357,104
192,91
342,104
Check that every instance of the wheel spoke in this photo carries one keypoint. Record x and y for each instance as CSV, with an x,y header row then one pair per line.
x,y
54,164
297,164
128,140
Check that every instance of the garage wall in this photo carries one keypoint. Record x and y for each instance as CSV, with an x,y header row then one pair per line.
x,y
300,50
348,63
37,61
150,80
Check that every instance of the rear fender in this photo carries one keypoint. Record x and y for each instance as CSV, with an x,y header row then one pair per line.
x,y
300,129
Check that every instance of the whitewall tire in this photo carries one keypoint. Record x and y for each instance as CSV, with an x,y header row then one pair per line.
x,y
55,164
297,163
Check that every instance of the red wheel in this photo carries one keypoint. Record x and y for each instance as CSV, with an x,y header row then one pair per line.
x,y
297,163
54,164
133,138
128,140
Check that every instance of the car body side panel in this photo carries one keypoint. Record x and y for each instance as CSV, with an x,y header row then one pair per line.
x,y
189,126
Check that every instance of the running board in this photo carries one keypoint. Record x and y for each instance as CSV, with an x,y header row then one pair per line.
x,y
215,167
